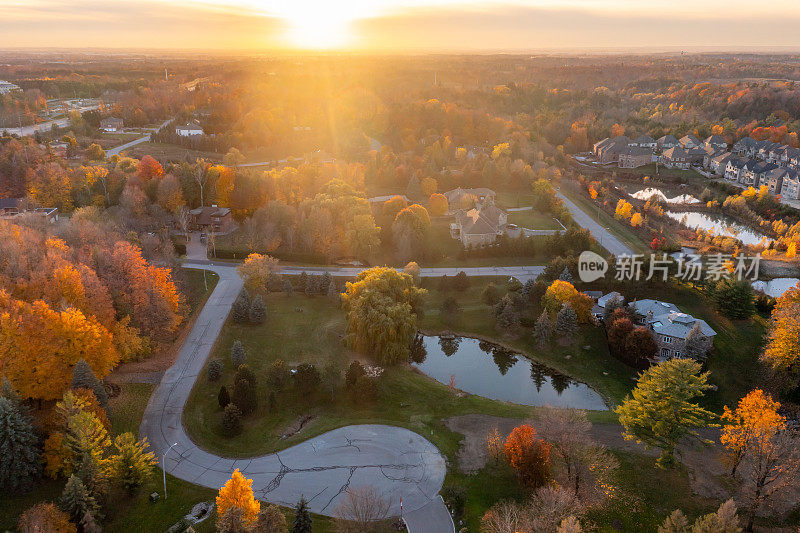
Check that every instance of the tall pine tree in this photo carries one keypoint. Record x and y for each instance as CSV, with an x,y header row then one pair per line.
x,y
19,452
302,518
83,378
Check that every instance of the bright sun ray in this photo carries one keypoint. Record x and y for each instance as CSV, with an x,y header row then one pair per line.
x,y
319,24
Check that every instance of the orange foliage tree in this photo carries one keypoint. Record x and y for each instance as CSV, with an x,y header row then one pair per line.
x,y
437,204
238,492
755,419
39,346
149,168
528,455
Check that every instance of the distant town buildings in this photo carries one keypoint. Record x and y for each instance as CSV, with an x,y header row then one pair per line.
x,y
8,87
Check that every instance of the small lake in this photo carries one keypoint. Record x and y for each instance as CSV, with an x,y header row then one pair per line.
x,y
646,194
486,369
775,287
719,225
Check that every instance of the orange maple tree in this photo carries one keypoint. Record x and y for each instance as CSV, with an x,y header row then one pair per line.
x,y
755,419
528,455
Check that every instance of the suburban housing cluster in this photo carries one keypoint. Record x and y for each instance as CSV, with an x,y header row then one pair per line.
x,y
669,325
749,162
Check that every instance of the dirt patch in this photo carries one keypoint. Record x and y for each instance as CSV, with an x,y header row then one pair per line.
x,y
297,426
473,453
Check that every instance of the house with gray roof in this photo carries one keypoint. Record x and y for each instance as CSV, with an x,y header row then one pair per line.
x,y
791,187
671,329
743,146
675,157
717,142
718,163
666,142
733,167
689,141
645,141
479,226
608,150
635,156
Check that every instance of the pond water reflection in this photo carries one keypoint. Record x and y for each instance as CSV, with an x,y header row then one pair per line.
x,y
487,369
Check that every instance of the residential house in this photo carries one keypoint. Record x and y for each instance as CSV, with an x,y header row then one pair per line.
x,y
710,154
10,207
718,163
608,150
671,329
717,142
666,142
696,155
689,141
734,167
773,179
675,157
760,172
599,308
645,141
635,156
218,219
743,146
111,124
764,149
747,174
463,199
49,214
791,187
190,129
59,148
644,309
479,226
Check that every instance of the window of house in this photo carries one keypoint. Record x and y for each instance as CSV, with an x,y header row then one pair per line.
x,y
664,352
668,340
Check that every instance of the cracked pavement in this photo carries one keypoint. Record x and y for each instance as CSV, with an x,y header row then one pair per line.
x,y
397,462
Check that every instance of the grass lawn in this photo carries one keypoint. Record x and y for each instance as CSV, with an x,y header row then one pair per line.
x,y
663,172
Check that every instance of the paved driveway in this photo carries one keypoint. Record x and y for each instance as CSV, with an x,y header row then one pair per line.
x,y
606,239
401,464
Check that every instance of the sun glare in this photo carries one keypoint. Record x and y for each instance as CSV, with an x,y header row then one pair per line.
x,y
317,24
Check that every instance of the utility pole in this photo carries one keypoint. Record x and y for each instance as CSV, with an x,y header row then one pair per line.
x,y
163,468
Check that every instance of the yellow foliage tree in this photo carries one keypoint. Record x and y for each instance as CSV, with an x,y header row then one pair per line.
x,y
40,346
560,292
782,351
636,220
791,250
624,210
429,186
238,492
257,270
755,420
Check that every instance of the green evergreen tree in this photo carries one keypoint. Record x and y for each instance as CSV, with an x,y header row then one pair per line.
x,y
735,298
241,307
333,293
76,500
302,518
244,396
490,295
566,322
302,281
223,398
354,372
258,310
238,354
83,378
312,285
278,375
92,477
232,420
461,281
288,289
214,370
20,464
543,329
325,282
307,378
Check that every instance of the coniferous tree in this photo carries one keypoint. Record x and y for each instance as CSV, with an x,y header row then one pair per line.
x,y
76,500
566,322
244,396
288,289
232,420
223,398
302,518
19,452
83,378
302,281
312,285
238,355
241,307
214,370
543,329
325,282
333,292
258,310
92,477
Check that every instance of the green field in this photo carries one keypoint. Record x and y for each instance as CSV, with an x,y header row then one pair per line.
x,y
533,219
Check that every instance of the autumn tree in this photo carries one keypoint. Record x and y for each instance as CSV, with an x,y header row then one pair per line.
x,y
131,463
45,517
39,346
640,347
528,455
76,500
437,205
270,519
238,492
20,463
560,292
149,168
382,306
410,229
755,418
660,411
257,271
782,352
429,186
724,520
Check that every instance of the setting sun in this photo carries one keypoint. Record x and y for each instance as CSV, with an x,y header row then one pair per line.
x,y
316,24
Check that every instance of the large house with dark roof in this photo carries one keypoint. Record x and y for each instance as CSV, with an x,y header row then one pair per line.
x,y
479,226
213,218
635,156
675,157
669,325
608,150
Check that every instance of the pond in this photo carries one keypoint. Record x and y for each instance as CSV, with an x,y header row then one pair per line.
x,y
489,370
775,287
719,225
646,194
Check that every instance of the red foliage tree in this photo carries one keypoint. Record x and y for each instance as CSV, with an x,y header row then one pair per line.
x,y
529,456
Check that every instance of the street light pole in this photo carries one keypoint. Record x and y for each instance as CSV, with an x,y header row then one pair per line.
x,y
164,469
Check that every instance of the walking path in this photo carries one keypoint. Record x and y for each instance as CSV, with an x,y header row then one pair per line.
x,y
400,464
140,140
606,239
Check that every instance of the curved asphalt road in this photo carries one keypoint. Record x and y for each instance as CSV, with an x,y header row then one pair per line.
x,y
396,461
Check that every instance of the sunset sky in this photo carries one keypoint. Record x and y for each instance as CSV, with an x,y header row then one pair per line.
x,y
401,25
